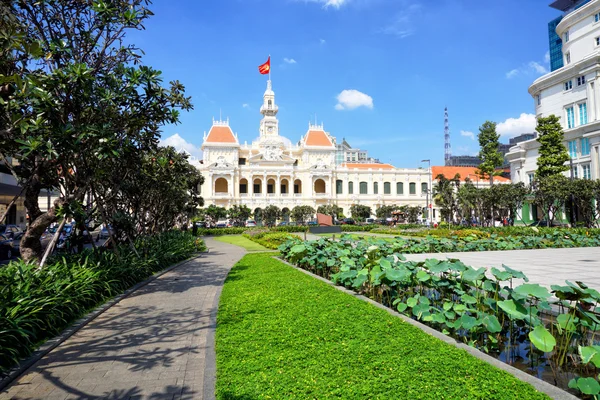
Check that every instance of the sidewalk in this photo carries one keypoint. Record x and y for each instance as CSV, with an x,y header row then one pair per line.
x,y
156,344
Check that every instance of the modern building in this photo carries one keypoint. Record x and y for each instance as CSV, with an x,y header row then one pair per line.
x,y
572,93
464,161
345,153
274,170
555,40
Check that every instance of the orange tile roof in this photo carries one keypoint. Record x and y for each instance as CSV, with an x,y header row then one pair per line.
x,y
367,166
317,138
220,134
464,172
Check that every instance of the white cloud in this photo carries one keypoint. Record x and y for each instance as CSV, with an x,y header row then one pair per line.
x,y
322,41
468,134
329,3
351,99
181,144
402,26
289,60
515,126
245,105
532,67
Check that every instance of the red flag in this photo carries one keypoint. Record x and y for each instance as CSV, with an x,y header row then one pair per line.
x,y
266,67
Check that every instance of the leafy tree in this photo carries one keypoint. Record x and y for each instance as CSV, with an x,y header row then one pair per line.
x,y
258,215
585,193
385,211
78,99
467,200
551,195
239,214
271,214
214,213
360,212
552,152
490,156
412,213
444,195
330,209
302,214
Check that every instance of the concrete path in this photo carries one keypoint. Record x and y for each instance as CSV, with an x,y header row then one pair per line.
x,y
546,267
157,343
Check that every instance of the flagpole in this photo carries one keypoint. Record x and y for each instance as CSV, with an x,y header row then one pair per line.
x,y
269,67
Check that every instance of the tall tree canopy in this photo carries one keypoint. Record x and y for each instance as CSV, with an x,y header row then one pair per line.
x,y
490,156
552,153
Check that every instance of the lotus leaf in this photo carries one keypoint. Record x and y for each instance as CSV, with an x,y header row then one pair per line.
x,y
419,310
401,307
468,322
360,280
501,275
515,274
542,339
473,275
459,308
513,309
590,354
567,322
492,324
533,290
448,305
585,385
467,299
385,264
412,301
399,274
423,276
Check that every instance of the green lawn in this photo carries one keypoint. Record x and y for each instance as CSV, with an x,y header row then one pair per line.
x,y
241,241
282,334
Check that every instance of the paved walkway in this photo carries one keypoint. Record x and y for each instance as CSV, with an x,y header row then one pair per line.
x,y
546,267
156,344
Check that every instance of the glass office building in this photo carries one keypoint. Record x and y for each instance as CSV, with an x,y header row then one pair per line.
x,y
556,56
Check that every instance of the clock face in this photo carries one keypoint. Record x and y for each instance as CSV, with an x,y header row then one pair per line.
x,y
270,129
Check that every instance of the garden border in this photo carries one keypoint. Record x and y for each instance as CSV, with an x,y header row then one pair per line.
x,y
542,386
77,325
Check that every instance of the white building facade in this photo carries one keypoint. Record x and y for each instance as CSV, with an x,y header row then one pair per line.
x,y
572,93
274,171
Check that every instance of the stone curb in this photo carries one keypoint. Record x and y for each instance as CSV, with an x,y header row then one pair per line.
x,y
51,344
540,385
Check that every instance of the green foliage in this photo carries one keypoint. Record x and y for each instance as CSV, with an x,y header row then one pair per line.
x,y
214,213
239,214
332,210
220,231
386,211
551,194
241,241
490,156
360,212
270,240
309,340
302,214
444,195
552,152
36,304
270,215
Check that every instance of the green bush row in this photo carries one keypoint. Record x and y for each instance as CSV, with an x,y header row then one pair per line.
x,y
270,240
36,304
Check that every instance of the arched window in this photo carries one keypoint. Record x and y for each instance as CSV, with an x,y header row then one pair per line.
x,y
319,186
375,188
363,188
412,188
387,188
221,185
350,187
423,187
399,188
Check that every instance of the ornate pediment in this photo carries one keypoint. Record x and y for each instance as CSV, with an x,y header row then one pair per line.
x,y
321,165
221,163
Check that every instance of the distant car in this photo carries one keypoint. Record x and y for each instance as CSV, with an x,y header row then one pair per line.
x,y
200,224
6,248
370,220
348,221
292,223
312,223
222,224
104,234
282,223
250,224
9,230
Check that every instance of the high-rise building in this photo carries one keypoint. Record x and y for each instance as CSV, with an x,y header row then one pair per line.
x,y
346,153
572,93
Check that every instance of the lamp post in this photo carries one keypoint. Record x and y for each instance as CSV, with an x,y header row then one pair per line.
x,y
429,190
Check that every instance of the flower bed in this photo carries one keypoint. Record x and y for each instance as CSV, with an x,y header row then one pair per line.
x,y
36,304
270,240
483,310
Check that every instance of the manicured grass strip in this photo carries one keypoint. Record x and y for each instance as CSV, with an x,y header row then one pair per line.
x,y
241,241
283,334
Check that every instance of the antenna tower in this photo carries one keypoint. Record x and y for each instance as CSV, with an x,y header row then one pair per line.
x,y
447,147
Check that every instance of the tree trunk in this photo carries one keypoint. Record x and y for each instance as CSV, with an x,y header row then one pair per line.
x,y
31,246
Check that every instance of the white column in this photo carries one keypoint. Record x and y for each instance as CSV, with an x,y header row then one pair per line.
x,y
278,186
264,186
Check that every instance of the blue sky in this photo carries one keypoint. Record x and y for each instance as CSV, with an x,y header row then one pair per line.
x,y
411,58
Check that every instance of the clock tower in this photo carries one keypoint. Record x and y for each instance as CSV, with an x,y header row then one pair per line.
x,y
269,125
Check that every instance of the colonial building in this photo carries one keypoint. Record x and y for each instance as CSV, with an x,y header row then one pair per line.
x,y
571,92
274,170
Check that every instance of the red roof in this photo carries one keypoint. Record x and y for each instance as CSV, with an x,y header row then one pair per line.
x,y
317,138
220,134
464,172
367,166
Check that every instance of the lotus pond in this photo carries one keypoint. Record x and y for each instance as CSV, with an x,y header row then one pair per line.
x,y
552,334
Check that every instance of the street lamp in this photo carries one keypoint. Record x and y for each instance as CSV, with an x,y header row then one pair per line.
x,y
430,190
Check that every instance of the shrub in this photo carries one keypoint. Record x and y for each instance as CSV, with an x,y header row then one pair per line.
x,y
36,304
220,231
270,240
